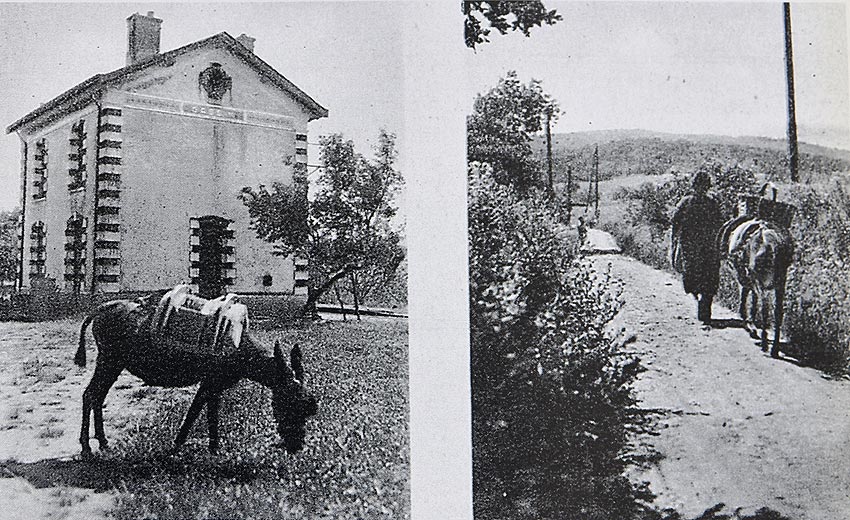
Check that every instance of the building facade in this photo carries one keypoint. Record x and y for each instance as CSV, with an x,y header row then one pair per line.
x,y
131,180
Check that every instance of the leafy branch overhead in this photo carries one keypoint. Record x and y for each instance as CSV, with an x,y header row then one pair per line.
x,y
503,16
346,226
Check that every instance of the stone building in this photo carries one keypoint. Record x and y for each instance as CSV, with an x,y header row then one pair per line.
x,y
130,180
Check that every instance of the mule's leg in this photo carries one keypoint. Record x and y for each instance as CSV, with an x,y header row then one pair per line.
x,y
111,374
212,420
777,315
742,307
194,410
765,321
102,378
754,301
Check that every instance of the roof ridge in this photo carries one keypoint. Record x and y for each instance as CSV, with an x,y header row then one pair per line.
x,y
98,82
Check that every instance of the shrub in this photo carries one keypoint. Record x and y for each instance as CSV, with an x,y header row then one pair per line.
x,y
818,296
552,401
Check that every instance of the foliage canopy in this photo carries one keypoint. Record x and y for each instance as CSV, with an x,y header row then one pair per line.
x,y
502,126
346,227
503,16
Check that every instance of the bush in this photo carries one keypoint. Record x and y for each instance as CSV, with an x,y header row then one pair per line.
x,y
818,296
552,401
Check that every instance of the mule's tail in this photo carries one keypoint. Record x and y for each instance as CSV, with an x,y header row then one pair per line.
x,y
80,356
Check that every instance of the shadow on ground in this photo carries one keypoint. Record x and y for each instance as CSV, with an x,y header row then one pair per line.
x,y
102,474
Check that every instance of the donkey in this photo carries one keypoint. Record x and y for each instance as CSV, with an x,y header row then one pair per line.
x,y
760,252
122,334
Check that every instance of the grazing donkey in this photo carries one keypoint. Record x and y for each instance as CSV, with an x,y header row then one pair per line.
x,y
123,335
760,252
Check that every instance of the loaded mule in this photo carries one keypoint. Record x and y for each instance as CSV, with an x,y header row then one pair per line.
x,y
759,249
140,336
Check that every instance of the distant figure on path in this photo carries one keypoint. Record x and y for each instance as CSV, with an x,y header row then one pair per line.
x,y
582,231
694,249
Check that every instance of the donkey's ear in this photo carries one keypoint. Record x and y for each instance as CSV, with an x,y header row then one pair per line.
x,y
295,357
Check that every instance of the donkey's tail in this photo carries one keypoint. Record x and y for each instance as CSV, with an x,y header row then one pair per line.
x,y
80,356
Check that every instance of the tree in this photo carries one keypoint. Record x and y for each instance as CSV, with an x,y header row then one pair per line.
x,y
502,126
503,16
9,245
348,226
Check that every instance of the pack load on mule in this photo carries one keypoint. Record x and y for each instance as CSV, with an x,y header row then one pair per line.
x,y
183,340
194,324
758,246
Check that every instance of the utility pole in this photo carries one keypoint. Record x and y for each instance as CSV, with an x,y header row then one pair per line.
x,y
596,182
549,150
569,193
589,199
793,158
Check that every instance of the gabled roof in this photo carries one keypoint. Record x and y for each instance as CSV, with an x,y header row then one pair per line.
x,y
94,87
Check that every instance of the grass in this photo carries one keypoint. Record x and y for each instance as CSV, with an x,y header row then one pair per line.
x,y
355,463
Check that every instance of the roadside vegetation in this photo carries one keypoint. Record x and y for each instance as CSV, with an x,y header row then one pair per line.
x,y
552,403
553,411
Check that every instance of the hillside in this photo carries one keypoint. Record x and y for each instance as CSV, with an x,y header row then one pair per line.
x,y
623,152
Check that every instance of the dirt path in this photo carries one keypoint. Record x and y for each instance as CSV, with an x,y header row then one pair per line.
x,y
738,427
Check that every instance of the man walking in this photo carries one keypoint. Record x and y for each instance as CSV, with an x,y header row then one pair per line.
x,y
694,253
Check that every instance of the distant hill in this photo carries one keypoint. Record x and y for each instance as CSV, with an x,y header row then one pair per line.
x,y
623,152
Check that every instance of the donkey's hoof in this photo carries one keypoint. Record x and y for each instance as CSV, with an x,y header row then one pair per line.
x,y
86,455
774,352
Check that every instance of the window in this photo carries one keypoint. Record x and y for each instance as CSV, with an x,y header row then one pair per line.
x,y
37,249
75,252
39,181
77,157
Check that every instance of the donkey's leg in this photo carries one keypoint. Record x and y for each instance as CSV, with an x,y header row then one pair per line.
x,y
110,375
765,321
754,301
194,410
742,307
100,379
212,420
777,315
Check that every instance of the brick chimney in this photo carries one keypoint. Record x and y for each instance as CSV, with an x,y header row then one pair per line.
x,y
246,41
142,37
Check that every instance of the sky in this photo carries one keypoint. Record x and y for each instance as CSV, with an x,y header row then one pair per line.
x,y
345,55
683,67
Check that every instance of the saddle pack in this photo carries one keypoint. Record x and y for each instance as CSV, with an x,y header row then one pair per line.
x,y
193,324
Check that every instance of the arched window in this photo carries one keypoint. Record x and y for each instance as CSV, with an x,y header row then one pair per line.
x,y
77,157
39,180
212,264
75,253
37,249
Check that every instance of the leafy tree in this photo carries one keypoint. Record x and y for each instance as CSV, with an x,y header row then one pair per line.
x,y
502,126
9,245
347,229
503,16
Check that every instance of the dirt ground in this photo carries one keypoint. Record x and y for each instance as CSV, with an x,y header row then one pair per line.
x,y
734,426
40,408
